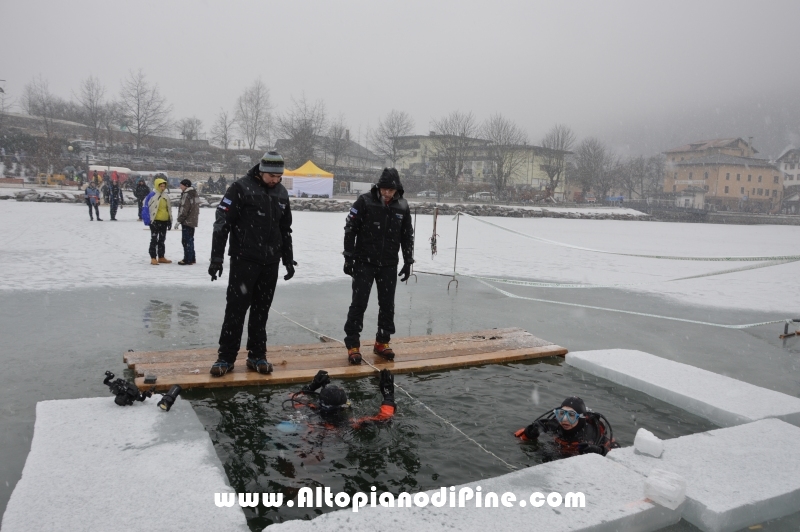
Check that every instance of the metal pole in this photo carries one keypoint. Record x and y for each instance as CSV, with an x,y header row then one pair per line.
x,y
455,257
415,237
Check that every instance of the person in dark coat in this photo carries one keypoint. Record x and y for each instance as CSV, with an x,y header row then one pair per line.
x,y
141,191
255,213
378,226
188,217
115,199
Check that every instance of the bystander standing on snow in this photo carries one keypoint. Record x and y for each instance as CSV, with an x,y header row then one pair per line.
x,y
93,200
188,215
141,191
161,222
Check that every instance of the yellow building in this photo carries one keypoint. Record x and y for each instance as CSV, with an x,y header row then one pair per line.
x,y
728,173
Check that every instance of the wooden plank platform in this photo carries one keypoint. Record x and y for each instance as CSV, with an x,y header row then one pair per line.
x,y
299,363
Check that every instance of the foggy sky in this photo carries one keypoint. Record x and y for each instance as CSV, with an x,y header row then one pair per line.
x,y
594,66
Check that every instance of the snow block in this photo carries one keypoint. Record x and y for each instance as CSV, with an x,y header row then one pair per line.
x,y
665,488
722,400
735,477
96,466
614,500
648,443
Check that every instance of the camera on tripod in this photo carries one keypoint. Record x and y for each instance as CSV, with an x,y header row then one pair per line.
x,y
125,393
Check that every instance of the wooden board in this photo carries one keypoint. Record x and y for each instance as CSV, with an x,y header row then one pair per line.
x,y
299,363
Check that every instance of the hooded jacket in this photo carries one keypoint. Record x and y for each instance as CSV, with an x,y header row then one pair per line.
x,y
374,232
141,191
188,208
258,220
155,199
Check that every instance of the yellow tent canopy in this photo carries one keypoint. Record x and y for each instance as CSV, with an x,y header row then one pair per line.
x,y
308,170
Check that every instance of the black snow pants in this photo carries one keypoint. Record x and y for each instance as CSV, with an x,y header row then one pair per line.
x,y
158,234
250,285
363,276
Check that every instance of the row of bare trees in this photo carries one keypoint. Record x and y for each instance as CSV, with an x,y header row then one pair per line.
x,y
599,170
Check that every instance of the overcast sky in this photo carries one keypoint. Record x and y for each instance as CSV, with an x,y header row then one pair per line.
x,y
584,64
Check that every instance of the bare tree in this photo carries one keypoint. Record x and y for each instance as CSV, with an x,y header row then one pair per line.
x,y
110,119
37,100
337,141
557,144
507,146
596,168
222,129
654,177
301,126
455,135
633,174
189,128
253,116
385,140
145,112
91,98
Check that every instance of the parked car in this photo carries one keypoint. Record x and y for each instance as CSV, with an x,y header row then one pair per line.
x,y
243,158
481,196
426,194
590,199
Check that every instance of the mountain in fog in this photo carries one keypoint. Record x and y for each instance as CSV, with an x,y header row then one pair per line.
x,y
773,120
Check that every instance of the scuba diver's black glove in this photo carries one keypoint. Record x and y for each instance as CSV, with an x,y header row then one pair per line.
x,y
405,272
215,270
320,379
387,386
348,267
586,448
531,431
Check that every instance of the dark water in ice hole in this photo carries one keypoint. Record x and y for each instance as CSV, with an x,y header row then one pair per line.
x,y
57,344
415,451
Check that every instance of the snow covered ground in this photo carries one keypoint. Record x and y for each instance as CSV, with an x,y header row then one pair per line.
x,y
50,246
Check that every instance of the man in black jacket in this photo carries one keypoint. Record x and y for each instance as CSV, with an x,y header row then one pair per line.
x,y
141,191
255,212
115,199
378,226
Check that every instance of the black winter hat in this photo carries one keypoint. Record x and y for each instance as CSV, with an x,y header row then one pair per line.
x,y
186,183
390,179
576,403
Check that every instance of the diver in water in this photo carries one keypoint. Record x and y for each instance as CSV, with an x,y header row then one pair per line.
x,y
332,403
575,429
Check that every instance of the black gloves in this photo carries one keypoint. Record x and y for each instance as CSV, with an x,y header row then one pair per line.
x,y
348,266
531,431
404,273
289,270
586,448
387,386
215,269
320,379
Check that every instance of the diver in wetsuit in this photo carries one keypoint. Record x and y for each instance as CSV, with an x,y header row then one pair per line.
x,y
573,429
331,401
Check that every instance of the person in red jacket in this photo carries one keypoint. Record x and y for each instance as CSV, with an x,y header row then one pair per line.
x,y
331,400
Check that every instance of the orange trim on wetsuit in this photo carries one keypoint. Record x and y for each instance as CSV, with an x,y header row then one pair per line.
x,y
386,413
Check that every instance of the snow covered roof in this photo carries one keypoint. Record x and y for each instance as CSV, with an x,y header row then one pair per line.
x,y
719,158
702,145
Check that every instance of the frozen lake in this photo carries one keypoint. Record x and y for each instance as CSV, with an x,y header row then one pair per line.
x,y
78,294
49,246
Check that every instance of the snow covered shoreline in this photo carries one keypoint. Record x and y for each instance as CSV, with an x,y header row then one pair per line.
x,y
56,247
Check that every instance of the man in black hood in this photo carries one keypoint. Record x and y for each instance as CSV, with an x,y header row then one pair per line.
x,y
255,213
141,191
378,226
